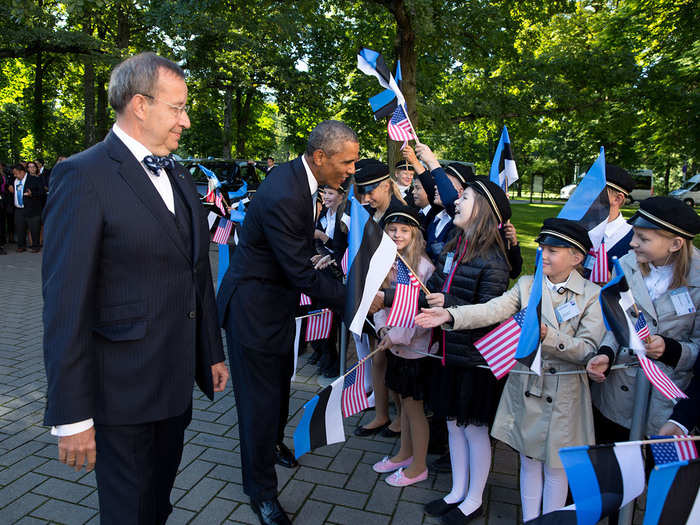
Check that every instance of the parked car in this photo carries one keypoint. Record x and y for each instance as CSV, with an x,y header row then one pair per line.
x,y
643,186
689,192
231,173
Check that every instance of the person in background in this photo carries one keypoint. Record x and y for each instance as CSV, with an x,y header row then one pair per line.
x,y
27,194
270,164
403,174
5,199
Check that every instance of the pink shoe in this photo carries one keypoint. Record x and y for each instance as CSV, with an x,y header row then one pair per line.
x,y
398,479
385,465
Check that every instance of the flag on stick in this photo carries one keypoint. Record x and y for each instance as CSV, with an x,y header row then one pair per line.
x,y
371,254
603,478
405,305
599,274
223,231
304,300
499,345
529,350
673,496
384,103
372,63
322,421
344,262
503,170
673,451
400,128
319,326
354,399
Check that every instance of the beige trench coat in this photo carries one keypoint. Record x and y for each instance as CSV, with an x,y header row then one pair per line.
x,y
538,415
615,396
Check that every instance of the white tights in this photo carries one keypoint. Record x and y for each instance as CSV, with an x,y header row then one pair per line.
x,y
470,456
533,494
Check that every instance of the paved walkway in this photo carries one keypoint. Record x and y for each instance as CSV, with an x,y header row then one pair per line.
x,y
335,484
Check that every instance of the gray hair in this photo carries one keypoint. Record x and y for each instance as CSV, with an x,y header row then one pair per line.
x,y
329,136
137,75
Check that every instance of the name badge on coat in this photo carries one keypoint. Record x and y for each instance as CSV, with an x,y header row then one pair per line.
x,y
566,311
448,263
680,297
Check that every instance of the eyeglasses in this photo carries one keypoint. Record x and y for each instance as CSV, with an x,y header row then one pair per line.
x,y
178,109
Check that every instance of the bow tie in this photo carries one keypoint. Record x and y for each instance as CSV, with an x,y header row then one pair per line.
x,y
155,163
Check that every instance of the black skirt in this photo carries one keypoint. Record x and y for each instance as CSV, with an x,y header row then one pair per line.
x,y
407,377
468,394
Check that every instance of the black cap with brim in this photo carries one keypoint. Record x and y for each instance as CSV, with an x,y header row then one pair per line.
x,y
404,165
369,173
667,213
461,172
494,195
564,233
618,179
401,214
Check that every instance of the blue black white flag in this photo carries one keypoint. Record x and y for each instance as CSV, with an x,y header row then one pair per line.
x,y
384,103
529,349
673,496
322,421
503,170
372,63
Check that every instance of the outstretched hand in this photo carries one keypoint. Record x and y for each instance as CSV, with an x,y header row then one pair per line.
x,y
597,367
432,317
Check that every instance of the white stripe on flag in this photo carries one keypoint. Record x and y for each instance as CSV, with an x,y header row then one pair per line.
x,y
297,335
211,218
510,172
335,433
694,516
631,469
379,266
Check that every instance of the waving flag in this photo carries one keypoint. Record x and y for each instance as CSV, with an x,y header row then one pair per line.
x,y
372,63
673,451
354,399
603,478
371,254
600,271
223,231
673,496
344,262
240,192
641,327
405,305
503,171
399,127
319,326
322,421
211,176
499,345
616,301
529,351
384,103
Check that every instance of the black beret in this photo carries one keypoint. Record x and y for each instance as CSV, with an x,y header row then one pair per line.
x,y
462,172
667,213
404,165
369,173
618,179
563,232
495,196
402,214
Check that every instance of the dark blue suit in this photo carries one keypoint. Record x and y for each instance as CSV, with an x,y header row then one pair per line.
x,y
129,320
257,301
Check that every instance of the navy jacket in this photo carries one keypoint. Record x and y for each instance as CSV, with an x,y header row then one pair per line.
x,y
129,310
259,294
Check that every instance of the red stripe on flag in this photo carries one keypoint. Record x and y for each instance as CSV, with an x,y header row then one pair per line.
x,y
660,380
319,326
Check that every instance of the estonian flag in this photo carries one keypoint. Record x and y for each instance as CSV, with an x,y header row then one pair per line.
x,y
385,102
528,352
225,252
372,63
603,478
673,496
371,254
589,204
615,301
322,421
503,170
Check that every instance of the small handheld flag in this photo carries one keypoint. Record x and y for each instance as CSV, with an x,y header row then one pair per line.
x,y
528,351
304,300
400,128
673,451
599,274
372,63
503,170
499,345
223,231
319,326
673,496
354,399
405,305
384,103
322,420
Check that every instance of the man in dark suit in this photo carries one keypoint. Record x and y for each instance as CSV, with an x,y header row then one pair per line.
x,y
27,196
129,307
260,293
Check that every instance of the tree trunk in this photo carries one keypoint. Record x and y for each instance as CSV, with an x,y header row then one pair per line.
x,y
123,25
102,123
38,123
89,90
227,133
244,101
667,176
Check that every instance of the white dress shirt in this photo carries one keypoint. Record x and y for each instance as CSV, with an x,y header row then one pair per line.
x,y
443,219
165,190
658,280
17,182
616,230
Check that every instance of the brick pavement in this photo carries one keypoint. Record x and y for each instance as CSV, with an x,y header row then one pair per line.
x,y
334,484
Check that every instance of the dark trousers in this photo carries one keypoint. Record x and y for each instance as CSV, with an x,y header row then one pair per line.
x,y
3,224
24,222
136,468
261,386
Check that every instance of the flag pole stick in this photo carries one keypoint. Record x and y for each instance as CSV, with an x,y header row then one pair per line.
x,y
425,288
311,314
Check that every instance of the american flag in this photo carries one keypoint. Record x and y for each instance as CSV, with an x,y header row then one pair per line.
x,y
354,398
304,300
399,127
344,262
499,345
319,325
641,327
223,231
673,451
219,201
599,274
660,380
405,305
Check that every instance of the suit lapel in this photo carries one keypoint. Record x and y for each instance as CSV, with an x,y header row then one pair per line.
x,y
302,182
134,175
191,197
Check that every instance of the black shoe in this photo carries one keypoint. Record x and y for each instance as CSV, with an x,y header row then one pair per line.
x,y
284,457
364,432
388,433
441,464
438,507
457,517
270,512
314,358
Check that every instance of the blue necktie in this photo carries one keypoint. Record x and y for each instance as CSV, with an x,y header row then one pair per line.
x,y
155,163
20,195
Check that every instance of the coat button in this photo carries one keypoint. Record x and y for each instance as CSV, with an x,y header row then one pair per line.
x,y
552,370
624,388
549,399
653,321
192,315
527,393
561,346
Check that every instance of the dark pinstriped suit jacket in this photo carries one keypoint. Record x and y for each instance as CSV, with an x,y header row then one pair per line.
x,y
129,310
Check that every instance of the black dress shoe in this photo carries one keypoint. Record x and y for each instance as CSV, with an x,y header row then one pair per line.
x,y
457,517
438,507
284,457
388,433
364,432
442,464
270,512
